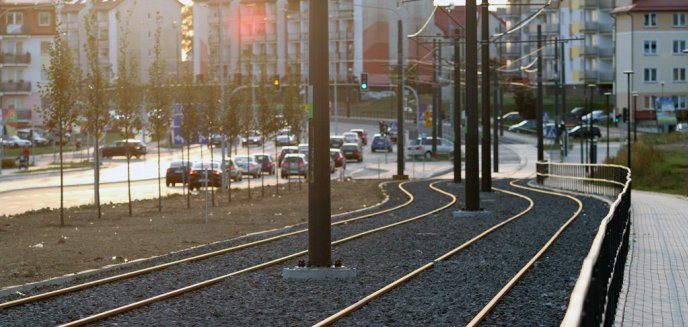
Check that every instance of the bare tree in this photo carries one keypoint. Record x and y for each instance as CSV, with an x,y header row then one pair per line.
x,y
126,90
231,128
95,110
266,122
189,126
210,98
60,96
159,107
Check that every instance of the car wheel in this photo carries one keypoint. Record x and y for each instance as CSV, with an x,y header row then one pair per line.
x,y
168,184
428,155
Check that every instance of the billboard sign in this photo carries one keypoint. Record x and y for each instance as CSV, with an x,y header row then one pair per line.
x,y
666,112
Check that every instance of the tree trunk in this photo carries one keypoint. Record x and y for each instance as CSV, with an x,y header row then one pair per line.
x,y
61,183
159,182
126,143
188,194
229,180
212,190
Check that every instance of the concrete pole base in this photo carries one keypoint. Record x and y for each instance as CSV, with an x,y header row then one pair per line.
x,y
464,213
400,177
318,273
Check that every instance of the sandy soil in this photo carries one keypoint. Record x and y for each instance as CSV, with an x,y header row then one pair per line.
x,y
33,245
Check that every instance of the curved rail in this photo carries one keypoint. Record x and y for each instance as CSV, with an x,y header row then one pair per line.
x,y
209,282
147,270
377,294
519,275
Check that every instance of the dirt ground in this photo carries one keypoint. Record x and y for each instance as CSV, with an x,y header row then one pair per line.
x,y
33,246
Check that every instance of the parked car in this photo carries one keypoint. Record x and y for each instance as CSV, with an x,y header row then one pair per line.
x,y
585,131
294,164
338,158
178,172
248,165
234,170
265,162
286,150
352,151
381,142
15,142
579,112
392,132
303,149
33,136
596,116
422,147
136,149
510,117
199,171
528,126
361,134
285,137
253,138
351,137
682,127
336,141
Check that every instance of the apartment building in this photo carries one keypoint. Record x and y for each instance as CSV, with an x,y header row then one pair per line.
x,y
652,38
271,37
140,15
26,33
583,27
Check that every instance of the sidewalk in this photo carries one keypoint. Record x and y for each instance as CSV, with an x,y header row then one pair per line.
x,y
655,290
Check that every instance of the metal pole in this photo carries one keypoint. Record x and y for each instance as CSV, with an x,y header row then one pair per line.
x,y
319,231
435,105
457,106
439,91
538,105
400,104
222,94
556,89
563,81
497,112
472,185
628,105
608,94
485,92
591,137
635,121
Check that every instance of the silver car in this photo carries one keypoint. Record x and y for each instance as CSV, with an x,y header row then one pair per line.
x,y
294,164
248,165
422,147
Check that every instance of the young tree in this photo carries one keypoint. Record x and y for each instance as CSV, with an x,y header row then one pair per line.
x,y
266,122
126,89
293,108
190,119
231,127
159,107
95,110
60,95
210,98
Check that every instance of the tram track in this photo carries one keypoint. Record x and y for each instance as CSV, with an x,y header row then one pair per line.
x,y
487,309
392,212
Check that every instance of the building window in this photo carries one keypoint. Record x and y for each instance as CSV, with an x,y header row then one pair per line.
x,y
650,48
650,102
679,19
679,46
43,18
45,47
680,75
679,101
650,75
650,20
14,18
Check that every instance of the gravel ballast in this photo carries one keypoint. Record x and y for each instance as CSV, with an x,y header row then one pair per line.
x,y
450,294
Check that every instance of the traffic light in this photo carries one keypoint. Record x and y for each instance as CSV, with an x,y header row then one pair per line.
x,y
364,81
624,115
276,82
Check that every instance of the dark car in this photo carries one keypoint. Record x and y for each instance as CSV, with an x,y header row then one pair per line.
x,y
178,172
526,126
265,162
338,158
352,151
294,164
381,142
199,171
286,150
336,142
584,131
510,117
136,149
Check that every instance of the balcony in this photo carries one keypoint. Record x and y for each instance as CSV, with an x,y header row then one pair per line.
x,y
590,50
545,28
15,87
590,75
606,77
15,59
606,52
589,27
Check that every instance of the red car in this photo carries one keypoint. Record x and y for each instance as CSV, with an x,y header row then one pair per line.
x,y
361,134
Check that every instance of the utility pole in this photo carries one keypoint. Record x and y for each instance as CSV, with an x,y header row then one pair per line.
x,y
538,106
457,106
497,111
435,104
485,92
400,104
472,187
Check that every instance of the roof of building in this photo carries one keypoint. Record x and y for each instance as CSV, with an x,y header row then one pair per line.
x,y
653,5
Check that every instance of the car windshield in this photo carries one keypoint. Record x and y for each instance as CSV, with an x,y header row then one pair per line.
x,y
176,164
349,148
260,158
293,159
242,160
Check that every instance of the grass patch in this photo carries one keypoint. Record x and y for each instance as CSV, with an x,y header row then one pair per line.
x,y
658,167
56,166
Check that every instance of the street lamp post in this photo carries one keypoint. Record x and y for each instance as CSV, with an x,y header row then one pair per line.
x,y
628,104
635,121
608,94
592,156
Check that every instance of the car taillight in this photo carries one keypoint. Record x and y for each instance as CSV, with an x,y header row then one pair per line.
x,y
231,167
168,171
357,153
269,165
301,164
215,172
284,164
253,166
419,148
194,172
339,158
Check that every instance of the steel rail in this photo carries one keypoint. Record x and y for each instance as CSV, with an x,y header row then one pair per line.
x,y
209,282
379,293
500,295
147,270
